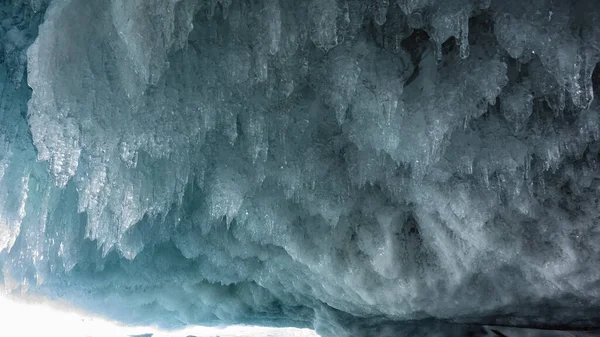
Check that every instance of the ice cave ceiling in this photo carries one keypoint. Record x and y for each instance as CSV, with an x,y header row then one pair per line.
x,y
358,167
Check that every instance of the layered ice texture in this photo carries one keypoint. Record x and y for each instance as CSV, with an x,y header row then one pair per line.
x,y
342,165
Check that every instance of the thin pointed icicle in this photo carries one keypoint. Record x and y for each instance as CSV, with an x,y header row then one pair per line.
x,y
437,52
583,94
464,37
561,102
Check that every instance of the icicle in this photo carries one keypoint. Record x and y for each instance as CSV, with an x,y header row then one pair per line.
x,y
261,67
437,51
527,167
464,36
584,93
561,102
36,5
340,114
389,108
381,8
273,17
397,43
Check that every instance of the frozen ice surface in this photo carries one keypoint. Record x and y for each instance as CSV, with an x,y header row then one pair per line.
x,y
343,165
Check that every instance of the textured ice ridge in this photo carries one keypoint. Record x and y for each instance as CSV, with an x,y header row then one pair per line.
x,y
304,163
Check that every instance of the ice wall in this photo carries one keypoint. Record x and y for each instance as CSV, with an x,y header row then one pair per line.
x,y
306,163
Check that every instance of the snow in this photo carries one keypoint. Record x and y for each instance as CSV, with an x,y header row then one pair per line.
x,y
31,316
327,164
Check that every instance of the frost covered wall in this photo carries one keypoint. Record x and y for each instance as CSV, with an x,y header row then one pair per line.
x,y
336,164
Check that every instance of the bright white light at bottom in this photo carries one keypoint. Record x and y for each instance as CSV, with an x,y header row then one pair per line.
x,y
33,317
